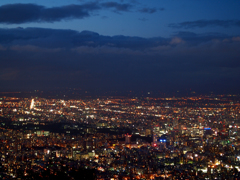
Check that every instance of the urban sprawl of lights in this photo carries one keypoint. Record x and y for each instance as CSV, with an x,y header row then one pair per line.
x,y
120,138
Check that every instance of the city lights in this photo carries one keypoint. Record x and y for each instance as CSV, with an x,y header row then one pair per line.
x,y
118,137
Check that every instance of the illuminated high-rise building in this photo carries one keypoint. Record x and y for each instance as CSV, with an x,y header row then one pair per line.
x,y
155,134
32,104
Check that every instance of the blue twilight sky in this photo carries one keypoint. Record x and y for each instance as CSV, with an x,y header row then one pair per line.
x,y
142,18
120,45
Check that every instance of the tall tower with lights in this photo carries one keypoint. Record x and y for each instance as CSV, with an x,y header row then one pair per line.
x,y
32,104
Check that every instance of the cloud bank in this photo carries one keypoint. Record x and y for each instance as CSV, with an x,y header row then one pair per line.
x,y
25,13
36,58
205,23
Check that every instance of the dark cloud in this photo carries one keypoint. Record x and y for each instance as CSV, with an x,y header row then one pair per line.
x,y
47,58
52,38
151,10
117,6
24,13
20,13
59,13
148,10
205,23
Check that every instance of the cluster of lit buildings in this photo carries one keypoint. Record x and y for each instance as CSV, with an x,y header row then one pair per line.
x,y
122,138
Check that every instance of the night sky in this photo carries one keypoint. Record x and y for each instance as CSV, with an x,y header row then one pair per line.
x,y
137,45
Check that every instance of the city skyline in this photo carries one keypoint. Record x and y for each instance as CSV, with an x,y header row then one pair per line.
x,y
166,46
